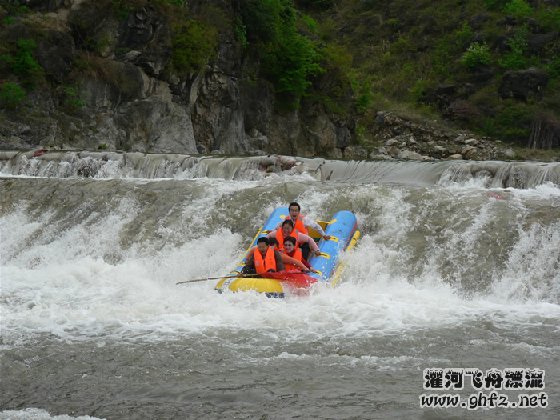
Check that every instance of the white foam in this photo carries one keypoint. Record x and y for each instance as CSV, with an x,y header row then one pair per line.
x,y
79,282
38,414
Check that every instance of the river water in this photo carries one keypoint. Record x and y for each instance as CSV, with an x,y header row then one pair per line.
x,y
458,267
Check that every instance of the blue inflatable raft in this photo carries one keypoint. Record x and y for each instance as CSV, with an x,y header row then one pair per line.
x,y
344,234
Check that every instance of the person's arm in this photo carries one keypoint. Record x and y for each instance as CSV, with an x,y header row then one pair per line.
x,y
305,238
308,222
279,263
250,261
289,260
250,252
272,234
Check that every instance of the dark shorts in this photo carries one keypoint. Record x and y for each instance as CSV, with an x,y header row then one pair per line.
x,y
305,250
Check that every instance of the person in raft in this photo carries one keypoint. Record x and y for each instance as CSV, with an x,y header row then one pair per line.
x,y
263,259
292,257
287,231
301,223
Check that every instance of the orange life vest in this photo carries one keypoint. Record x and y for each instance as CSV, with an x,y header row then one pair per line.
x,y
269,262
298,256
299,226
280,239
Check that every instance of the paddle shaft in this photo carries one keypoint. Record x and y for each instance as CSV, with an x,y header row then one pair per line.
x,y
225,277
215,278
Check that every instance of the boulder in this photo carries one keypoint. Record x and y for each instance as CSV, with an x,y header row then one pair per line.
x,y
157,126
469,152
410,155
461,109
537,42
455,156
392,142
523,84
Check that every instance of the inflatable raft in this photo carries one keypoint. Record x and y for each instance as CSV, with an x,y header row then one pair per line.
x,y
344,233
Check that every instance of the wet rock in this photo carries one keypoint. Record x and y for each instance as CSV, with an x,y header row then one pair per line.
x,y
409,155
392,142
343,136
469,152
379,156
286,162
509,153
455,156
355,153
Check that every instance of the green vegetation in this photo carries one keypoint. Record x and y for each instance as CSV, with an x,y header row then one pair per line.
x,y
288,59
72,102
240,32
440,59
20,62
12,12
518,9
11,94
193,44
476,55
515,58
422,56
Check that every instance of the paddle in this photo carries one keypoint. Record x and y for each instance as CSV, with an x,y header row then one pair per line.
x,y
216,278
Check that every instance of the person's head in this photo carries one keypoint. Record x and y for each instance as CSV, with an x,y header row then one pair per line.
x,y
262,244
272,242
294,209
287,227
289,244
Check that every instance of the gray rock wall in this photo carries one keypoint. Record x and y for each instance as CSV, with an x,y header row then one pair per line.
x,y
123,96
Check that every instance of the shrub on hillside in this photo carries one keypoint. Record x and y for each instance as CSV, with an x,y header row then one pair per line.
x,y
11,94
476,55
288,59
193,45
21,62
511,121
515,59
518,8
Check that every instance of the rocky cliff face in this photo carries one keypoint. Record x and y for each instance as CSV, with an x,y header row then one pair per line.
x,y
105,75
108,85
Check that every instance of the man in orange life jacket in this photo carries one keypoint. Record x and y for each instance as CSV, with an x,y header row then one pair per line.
x,y
301,224
263,259
290,255
286,231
